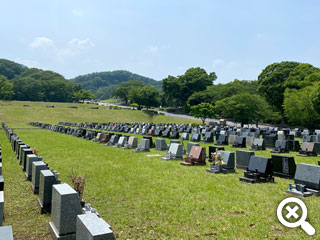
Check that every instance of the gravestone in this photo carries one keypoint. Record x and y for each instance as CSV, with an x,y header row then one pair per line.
x,y
19,157
307,149
294,145
195,137
1,208
249,141
208,137
132,142
151,142
36,168
47,180
184,136
113,140
161,144
222,140
226,167
240,142
0,168
232,139
1,183
260,170
258,144
144,146
243,158
23,157
281,146
307,181
91,227
270,140
30,159
65,208
6,233
175,152
213,149
283,166
190,145
121,142
196,156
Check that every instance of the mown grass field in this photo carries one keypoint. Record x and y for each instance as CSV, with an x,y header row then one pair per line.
x,y
138,194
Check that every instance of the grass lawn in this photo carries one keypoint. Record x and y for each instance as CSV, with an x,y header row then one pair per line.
x,y
139,195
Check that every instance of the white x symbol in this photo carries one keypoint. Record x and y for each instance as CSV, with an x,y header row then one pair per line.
x,y
292,212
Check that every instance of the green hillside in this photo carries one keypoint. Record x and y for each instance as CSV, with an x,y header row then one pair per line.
x,y
103,83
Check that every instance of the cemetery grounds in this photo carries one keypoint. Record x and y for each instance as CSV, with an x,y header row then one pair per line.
x,y
138,194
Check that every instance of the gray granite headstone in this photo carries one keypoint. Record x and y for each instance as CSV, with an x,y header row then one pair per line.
x,y
23,146
308,175
23,157
161,144
249,141
133,142
65,208
232,138
36,168
0,168
30,159
47,179
1,208
6,233
228,158
243,158
91,227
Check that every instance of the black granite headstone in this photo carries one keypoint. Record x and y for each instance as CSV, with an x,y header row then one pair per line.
x,y
261,165
243,158
283,166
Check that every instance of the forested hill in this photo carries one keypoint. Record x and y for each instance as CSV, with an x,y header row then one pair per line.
x,y
102,84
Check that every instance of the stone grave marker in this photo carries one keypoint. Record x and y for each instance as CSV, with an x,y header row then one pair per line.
x,y
260,170
258,144
213,149
249,141
175,152
47,180
0,168
208,137
226,167
1,183
283,166
19,156
1,208
195,137
144,146
281,146
36,168
161,144
222,140
240,142
113,140
190,145
184,136
243,158
150,139
65,208
23,157
307,149
307,181
132,142
270,140
6,233
196,156
232,139
91,227
30,159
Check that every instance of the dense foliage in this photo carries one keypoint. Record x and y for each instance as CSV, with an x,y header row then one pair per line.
x,y
102,84
203,111
18,82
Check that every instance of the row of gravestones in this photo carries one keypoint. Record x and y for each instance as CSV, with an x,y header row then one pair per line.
x,y
281,142
258,169
5,231
71,218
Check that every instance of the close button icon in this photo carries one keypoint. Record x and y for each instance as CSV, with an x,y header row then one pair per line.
x,y
292,212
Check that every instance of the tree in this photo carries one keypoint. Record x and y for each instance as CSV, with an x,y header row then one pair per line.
x,y
82,95
246,108
122,91
6,87
271,82
179,89
300,77
11,69
299,107
147,96
203,111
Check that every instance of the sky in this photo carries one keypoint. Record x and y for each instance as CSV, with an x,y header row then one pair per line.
x,y
236,39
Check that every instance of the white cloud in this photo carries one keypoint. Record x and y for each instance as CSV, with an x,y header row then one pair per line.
x,y
42,42
77,12
28,62
81,44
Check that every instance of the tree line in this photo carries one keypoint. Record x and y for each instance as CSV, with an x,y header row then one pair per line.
x,y
18,82
286,92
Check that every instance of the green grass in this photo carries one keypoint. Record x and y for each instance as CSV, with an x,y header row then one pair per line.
x,y
140,196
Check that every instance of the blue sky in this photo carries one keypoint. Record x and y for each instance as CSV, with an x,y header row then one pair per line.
x,y
234,38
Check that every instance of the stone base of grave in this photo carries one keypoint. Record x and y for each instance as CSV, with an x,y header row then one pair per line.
x,y
34,190
218,169
44,209
306,154
307,193
192,163
255,178
141,150
56,236
280,151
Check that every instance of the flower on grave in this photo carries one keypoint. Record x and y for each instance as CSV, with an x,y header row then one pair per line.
x,y
35,151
